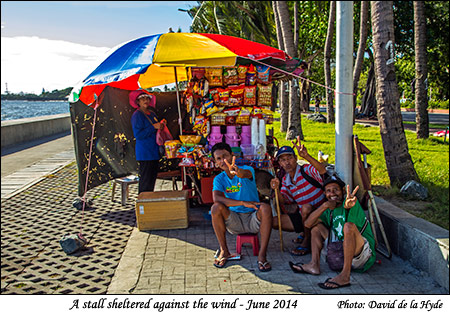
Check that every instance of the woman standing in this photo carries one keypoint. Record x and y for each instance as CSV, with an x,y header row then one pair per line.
x,y
145,126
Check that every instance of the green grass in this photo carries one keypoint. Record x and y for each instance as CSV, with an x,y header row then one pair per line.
x,y
430,158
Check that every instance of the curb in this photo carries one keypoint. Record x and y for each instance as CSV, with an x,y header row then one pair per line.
x,y
410,235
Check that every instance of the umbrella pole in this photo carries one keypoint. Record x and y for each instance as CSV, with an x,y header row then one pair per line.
x,y
178,101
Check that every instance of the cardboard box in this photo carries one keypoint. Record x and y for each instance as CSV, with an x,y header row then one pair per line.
x,y
162,210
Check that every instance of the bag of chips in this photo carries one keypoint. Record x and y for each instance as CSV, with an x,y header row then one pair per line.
x,y
250,95
242,73
224,95
265,95
263,74
244,116
232,114
230,76
236,95
215,96
197,73
214,76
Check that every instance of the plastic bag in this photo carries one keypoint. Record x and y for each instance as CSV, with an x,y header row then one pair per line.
x,y
163,135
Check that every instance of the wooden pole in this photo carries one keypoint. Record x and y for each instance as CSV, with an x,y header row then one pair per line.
x,y
279,220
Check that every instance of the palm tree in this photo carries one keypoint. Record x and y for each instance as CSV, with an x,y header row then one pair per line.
x,y
399,165
294,125
420,43
284,106
327,56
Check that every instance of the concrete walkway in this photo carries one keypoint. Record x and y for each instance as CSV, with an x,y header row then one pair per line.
x,y
181,261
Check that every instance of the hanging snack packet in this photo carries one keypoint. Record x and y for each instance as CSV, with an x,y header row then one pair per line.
x,y
242,73
197,73
215,96
230,76
265,95
250,95
214,76
224,95
213,110
257,112
236,95
244,116
250,78
232,113
263,74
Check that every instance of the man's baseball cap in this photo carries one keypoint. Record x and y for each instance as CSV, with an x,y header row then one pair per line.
x,y
284,150
333,179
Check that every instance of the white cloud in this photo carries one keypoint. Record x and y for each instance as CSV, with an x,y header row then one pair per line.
x,y
32,63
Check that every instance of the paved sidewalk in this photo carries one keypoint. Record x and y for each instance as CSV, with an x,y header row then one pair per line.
x,y
120,259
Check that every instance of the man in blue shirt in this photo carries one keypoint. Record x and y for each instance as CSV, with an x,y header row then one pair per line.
x,y
236,205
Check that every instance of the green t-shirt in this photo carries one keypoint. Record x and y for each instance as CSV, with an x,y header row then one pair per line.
x,y
355,215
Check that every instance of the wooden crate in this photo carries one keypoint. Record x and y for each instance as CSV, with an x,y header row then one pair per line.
x,y
162,210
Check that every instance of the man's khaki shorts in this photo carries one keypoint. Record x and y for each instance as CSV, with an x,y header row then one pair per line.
x,y
359,261
238,223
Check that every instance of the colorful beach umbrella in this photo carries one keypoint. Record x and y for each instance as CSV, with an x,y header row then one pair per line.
x,y
162,59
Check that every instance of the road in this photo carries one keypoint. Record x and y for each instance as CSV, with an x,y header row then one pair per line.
x,y
434,118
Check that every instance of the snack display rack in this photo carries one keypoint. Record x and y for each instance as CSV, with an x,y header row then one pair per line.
x,y
223,104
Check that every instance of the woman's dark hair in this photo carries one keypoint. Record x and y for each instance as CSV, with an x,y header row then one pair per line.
x,y
220,146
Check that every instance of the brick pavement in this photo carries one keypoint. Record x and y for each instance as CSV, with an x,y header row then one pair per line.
x,y
122,259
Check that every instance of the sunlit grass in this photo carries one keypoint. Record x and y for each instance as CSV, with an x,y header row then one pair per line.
x,y
430,158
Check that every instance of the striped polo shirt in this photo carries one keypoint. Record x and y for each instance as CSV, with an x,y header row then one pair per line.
x,y
299,190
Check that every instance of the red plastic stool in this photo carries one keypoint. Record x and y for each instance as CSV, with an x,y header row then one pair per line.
x,y
248,238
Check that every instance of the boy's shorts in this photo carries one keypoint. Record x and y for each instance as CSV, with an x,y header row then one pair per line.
x,y
238,223
359,261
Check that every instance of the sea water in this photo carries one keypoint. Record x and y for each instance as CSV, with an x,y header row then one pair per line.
x,y
27,109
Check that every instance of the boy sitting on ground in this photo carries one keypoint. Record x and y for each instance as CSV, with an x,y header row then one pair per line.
x,y
236,205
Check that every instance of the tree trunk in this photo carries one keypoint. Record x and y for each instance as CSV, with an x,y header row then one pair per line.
x,y
368,102
327,56
364,16
283,95
420,44
294,124
399,164
284,105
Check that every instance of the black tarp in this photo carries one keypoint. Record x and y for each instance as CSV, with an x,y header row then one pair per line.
x,y
113,147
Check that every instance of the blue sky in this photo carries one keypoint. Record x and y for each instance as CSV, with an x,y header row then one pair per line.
x,y
55,44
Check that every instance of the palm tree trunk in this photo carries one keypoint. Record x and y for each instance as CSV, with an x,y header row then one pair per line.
x,y
399,164
284,105
420,43
327,56
294,124
364,16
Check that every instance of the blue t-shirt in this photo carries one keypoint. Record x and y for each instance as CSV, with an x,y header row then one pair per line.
x,y
243,189
145,134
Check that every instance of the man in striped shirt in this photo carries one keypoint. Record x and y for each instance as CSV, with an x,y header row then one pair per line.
x,y
299,197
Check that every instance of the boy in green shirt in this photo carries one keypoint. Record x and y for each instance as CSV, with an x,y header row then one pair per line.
x,y
348,224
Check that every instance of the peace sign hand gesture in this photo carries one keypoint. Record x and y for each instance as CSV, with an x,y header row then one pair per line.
x,y
351,198
232,167
301,149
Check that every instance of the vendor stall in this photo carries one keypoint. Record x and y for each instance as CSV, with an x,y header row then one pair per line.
x,y
223,104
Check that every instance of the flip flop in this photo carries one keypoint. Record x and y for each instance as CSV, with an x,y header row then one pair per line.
x,y
262,266
298,240
337,285
220,263
306,250
299,265
234,256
